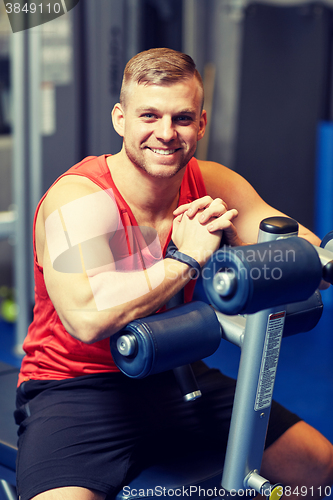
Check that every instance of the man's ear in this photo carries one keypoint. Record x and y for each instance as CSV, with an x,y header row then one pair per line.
x,y
202,125
118,119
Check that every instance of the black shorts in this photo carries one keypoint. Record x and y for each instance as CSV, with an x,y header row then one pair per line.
x,y
96,431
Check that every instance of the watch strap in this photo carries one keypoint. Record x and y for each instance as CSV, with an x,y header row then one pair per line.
x,y
173,253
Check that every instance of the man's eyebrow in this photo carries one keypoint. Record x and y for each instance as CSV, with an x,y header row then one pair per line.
x,y
149,109
146,109
187,111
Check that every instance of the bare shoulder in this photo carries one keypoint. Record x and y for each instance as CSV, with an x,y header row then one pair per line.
x,y
66,190
238,193
222,182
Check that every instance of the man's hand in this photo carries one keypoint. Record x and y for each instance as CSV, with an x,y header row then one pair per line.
x,y
192,238
214,215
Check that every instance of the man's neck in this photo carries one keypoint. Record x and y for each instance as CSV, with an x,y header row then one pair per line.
x,y
151,200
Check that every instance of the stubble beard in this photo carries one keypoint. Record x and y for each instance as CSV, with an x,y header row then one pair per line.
x,y
143,164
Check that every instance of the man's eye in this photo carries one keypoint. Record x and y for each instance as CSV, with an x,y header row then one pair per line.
x,y
184,118
148,116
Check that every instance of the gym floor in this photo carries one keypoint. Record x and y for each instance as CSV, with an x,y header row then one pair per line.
x,y
304,381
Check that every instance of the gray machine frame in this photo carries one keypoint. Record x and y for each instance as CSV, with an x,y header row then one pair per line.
x,y
253,396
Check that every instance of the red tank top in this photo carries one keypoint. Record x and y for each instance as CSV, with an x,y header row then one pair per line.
x,y
53,354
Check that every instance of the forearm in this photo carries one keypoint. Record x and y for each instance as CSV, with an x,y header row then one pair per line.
x,y
116,298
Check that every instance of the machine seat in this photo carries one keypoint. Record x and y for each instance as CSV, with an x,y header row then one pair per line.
x,y
8,429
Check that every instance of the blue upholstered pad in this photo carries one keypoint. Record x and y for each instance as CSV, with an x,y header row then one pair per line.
x,y
184,475
8,428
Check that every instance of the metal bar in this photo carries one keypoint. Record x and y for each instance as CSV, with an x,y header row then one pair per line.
x,y
7,491
18,65
233,328
251,409
133,9
35,139
7,224
189,27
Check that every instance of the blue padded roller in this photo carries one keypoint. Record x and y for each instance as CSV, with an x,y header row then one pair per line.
x,y
263,275
303,316
167,340
327,240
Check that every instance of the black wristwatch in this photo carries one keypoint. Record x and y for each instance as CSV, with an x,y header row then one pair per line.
x,y
173,253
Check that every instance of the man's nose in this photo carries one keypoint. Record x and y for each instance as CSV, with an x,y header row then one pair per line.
x,y
165,129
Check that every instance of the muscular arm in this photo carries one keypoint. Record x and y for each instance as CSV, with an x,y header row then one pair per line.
x,y
81,302
238,194
251,209
74,237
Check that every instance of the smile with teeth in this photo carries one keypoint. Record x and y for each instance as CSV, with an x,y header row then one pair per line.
x,y
163,151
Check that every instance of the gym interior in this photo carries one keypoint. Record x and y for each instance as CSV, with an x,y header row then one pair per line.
x,y
267,71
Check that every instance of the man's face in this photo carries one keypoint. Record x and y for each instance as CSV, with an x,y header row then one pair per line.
x,y
162,125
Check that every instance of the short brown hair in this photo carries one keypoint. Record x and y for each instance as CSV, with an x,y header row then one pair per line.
x,y
160,66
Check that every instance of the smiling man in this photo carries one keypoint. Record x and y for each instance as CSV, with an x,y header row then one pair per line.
x,y
100,239
164,124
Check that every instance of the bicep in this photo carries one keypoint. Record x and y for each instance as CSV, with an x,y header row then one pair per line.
x,y
68,280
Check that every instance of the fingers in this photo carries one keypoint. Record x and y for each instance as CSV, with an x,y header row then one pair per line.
x,y
206,204
223,222
181,209
231,236
192,208
177,220
216,209
213,214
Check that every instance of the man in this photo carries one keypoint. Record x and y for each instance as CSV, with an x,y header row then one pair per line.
x,y
100,237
